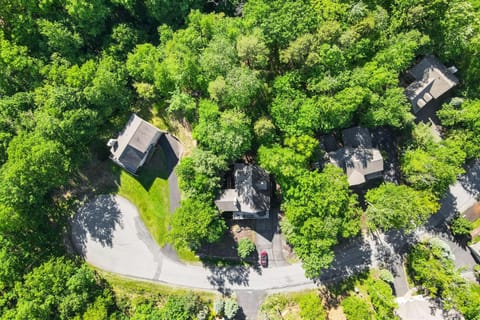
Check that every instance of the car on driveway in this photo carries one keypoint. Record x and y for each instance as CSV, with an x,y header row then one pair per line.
x,y
264,258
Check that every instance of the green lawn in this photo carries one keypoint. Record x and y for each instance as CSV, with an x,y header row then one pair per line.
x,y
476,224
128,287
149,192
288,306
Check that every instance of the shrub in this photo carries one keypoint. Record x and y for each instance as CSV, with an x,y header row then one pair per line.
x,y
311,307
272,306
382,299
230,308
218,305
203,313
461,227
245,248
386,276
443,247
356,308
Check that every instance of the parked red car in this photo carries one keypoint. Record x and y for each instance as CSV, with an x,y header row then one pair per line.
x,y
264,258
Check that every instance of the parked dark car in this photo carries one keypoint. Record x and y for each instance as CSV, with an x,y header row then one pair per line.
x,y
264,258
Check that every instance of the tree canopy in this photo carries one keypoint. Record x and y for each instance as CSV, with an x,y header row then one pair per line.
x,y
255,81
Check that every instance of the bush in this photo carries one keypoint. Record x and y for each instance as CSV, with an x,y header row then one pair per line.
x,y
218,305
230,308
203,313
311,307
443,247
181,307
382,299
356,308
386,276
272,305
461,227
245,248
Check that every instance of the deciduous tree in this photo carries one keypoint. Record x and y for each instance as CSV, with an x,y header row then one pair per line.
x,y
194,223
393,206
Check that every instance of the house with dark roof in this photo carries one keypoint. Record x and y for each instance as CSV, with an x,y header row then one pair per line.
x,y
360,161
134,143
250,197
432,80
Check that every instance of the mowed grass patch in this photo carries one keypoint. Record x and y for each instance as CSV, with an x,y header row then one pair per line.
x,y
292,306
149,193
131,289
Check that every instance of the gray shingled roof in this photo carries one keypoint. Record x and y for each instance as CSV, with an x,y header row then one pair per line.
x,y
357,158
359,164
133,143
433,80
251,193
227,201
357,137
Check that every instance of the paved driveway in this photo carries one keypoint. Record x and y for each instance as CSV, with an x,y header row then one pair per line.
x,y
109,233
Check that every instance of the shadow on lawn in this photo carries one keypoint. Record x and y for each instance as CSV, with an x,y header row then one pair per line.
x,y
160,164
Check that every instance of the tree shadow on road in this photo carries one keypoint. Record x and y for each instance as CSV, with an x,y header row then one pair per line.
x,y
234,275
448,209
351,257
471,179
98,218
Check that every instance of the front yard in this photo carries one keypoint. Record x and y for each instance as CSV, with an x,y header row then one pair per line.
x,y
149,192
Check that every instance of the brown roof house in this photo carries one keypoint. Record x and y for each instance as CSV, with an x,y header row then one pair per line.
x,y
134,143
360,161
250,198
431,81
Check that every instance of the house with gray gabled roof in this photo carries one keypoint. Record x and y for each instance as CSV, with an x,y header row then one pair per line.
x,y
432,80
360,161
250,198
134,143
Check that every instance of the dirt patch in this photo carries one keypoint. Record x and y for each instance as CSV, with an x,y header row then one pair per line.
x,y
336,314
242,231
475,233
179,128
96,177
226,248
473,213
291,312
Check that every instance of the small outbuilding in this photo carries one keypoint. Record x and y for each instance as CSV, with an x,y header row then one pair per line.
x,y
134,143
250,198
360,161
432,80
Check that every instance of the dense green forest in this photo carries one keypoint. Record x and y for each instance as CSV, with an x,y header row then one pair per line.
x,y
263,79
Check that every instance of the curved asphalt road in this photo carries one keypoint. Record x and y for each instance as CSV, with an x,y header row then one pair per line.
x,y
109,233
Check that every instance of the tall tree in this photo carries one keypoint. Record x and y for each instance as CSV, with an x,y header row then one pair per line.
x,y
393,206
320,210
194,223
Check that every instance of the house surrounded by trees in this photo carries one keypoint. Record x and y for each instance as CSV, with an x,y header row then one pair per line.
x,y
134,143
432,80
250,196
360,161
